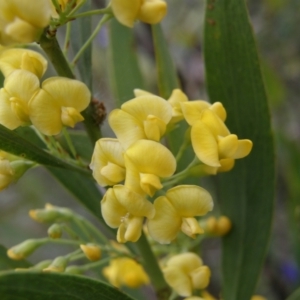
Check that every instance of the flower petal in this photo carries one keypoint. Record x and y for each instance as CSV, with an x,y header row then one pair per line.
x,y
227,146
219,110
186,262
191,227
159,160
126,127
152,12
226,165
134,229
192,110
200,277
166,222
68,92
205,144
126,11
190,200
243,149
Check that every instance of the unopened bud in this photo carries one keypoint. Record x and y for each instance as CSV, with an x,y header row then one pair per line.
x,y
73,270
42,265
59,264
218,227
91,251
24,249
50,214
55,231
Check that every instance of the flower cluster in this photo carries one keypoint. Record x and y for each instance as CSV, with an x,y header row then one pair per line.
x,y
49,106
137,165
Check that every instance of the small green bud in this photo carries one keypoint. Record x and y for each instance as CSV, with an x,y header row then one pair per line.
x,y
55,231
24,249
59,264
73,270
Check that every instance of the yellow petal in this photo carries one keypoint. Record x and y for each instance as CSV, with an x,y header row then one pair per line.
x,y
186,262
214,123
150,184
179,281
177,97
227,146
134,229
134,203
226,165
219,110
166,222
191,227
68,92
15,58
152,11
190,200
70,116
243,149
126,11
140,92
151,158
113,173
154,128
205,144
200,277
112,210
126,127
45,113
192,110
141,107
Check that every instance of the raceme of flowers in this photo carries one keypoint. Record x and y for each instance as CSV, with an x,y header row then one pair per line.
x,y
50,105
136,165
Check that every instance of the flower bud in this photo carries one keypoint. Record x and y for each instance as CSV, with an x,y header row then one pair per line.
x,y
24,249
218,227
73,270
91,251
59,264
55,231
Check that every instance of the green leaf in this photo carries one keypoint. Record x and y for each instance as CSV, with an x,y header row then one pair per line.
x,y
295,295
7,264
247,192
11,142
124,69
49,286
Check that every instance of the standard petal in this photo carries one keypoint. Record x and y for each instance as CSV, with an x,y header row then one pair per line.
x,y
134,203
126,11
178,280
112,210
186,262
158,159
68,92
166,222
143,106
214,123
219,110
139,92
45,113
7,117
243,149
205,144
126,127
190,200
192,110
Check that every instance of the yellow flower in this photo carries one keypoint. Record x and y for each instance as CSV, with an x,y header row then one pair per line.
x,y
176,210
218,227
23,21
124,209
185,272
148,11
58,104
125,271
146,162
24,59
144,117
107,162
19,88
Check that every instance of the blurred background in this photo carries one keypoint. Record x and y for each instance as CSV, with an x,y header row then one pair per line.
x,y
276,27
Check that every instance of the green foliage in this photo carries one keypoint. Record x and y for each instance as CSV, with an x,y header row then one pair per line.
x,y
47,286
247,192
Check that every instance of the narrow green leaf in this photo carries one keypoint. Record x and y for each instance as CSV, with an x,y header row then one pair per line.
x,y
49,286
81,29
295,295
11,142
247,192
7,264
123,59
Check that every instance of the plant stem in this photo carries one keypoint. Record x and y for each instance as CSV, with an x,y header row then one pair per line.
x,y
67,38
69,142
93,12
151,265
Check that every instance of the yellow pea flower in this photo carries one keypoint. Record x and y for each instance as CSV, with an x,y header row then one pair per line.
x,y
213,143
125,271
186,272
148,11
144,117
176,210
58,103
125,209
107,162
19,88
152,161
23,21
24,59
